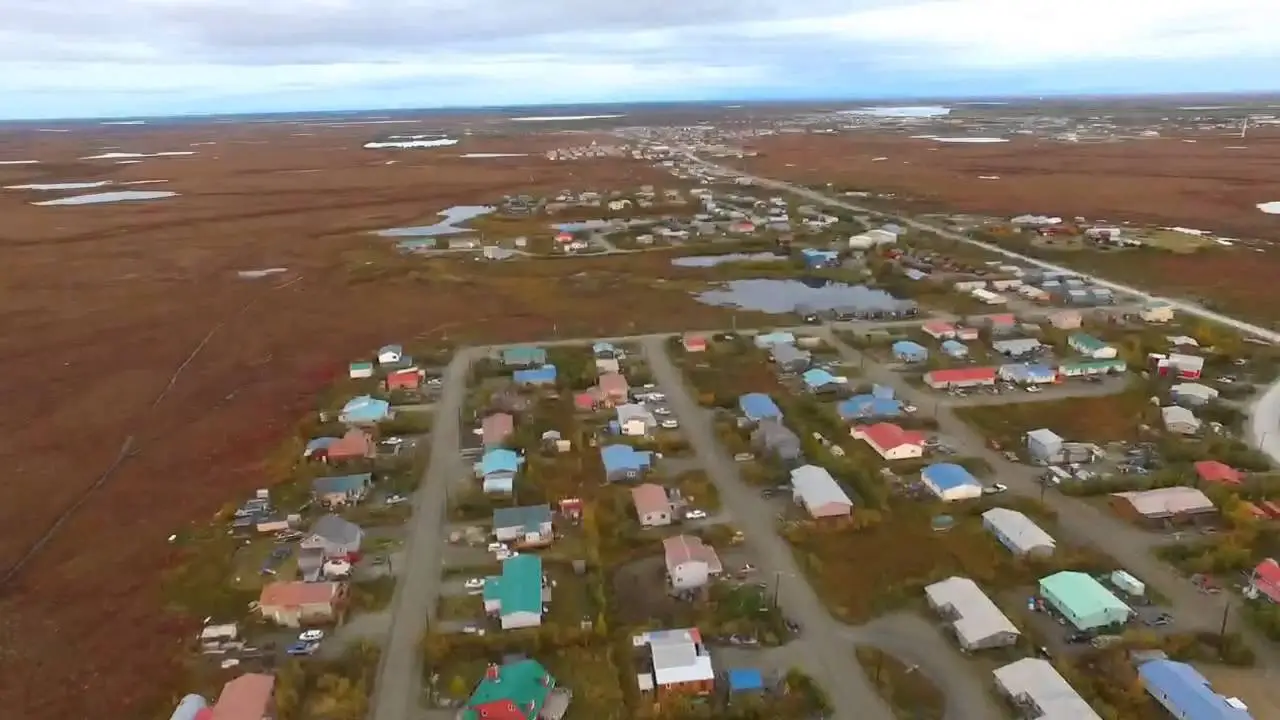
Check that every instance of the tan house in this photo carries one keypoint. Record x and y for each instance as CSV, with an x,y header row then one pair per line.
x,y
248,697
653,507
1157,312
297,603
614,387
496,428
1066,319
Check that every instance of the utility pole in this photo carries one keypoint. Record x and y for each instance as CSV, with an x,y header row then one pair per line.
x,y
1222,632
777,585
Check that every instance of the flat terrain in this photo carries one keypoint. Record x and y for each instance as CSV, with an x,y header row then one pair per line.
x,y
103,304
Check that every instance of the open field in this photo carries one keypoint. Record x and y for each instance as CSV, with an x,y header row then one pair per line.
x,y
123,296
1100,420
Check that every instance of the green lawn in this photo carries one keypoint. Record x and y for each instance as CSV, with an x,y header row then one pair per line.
x,y
246,566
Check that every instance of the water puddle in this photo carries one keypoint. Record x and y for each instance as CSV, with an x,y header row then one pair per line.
x,y
553,118
582,225
264,272
904,111
448,226
969,140
1270,208
59,186
109,197
493,155
19,162
407,144
784,296
702,261
118,155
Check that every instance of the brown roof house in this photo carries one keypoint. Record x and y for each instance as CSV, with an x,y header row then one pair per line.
x,y
614,387
690,563
297,603
355,445
248,697
653,507
496,428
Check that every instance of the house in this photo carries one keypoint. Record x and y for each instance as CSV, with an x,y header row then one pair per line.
x,y
790,358
1157,312
967,334
1034,684
909,352
1027,374
1018,532
939,329
602,350
1016,347
1044,446
356,444
297,603
518,690
1264,582
248,697
589,399
975,620
406,379
694,343
524,524
690,562
883,392
950,482
524,357
779,337
496,428
623,462
1066,319
1083,601
614,388
758,406
680,662
497,468
653,507
1212,471
1091,347
955,349
545,375
814,258
635,420
890,441
517,595
1185,693
771,437
868,407
363,369
1179,420
1193,394
334,537
819,493
364,410
341,489
607,365
818,380
1087,368
960,377
620,204
1164,504
1002,324
390,354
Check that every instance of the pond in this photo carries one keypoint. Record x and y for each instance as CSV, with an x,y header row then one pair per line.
x,y
448,226
816,294
701,261
59,186
109,197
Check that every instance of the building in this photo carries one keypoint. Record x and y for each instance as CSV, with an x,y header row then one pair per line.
x,y
498,468
1164,504
516,596
653,507
1186,694
909,352
819,493
890,441
1183,367
334,537
1016,347
868,407
362,369
1066,319
1083,601
336,490
1044,446
690,563
1018,533
1033,684
614,387
390,354
679,663
364,410
519,690
778,337
789,358
960,378
635,420
951,482
955,349
1212,471
523,525
975,619
539,376
939,329
1157,312
1193,394
1027,374
1264,582
248,697
1086,368
297,603
1179,420
694,343
624,463
496,428
1091,347
771,437
524,357
758,406
408,379
818,380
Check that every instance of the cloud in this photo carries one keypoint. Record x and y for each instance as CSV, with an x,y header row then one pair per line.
x,y
85,58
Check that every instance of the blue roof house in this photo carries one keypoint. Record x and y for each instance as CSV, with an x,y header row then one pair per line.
x,y
545,375
1028,373
955,349
317,445
778,337
605,350
364,410
819,258
498,468
746,680
758,406
1185,693
341,489
951,482
907,351
865,407
524,357
623,462
819,380
883,391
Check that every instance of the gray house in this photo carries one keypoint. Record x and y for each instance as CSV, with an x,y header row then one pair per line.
x,y
1044,446
790,358
774,438
528,524
334,537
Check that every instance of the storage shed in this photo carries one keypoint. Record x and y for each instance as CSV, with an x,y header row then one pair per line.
x,y
1082,600
1044,446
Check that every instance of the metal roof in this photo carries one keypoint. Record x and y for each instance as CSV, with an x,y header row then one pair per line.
x,y
1180,686
977,618
946,476
815,487
1080,592
1163,502
1018,530
1034,681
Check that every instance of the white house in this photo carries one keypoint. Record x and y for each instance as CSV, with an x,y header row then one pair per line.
x,y
890,441
690,563
1179,420
619,204
389,354
1018,533
975,619
635,420
1157,312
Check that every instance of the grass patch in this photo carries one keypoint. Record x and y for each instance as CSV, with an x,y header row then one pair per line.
x,y
909,693
698,489
460,607
1092,419
246,569
372,595
369,515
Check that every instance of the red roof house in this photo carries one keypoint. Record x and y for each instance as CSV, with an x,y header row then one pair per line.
x,y
1216,472
694,343
960,377
296,603
354,445
614,387
564,237
1005,320
1266,580
409,379
939,329
496,428
890,441
247,697
588,399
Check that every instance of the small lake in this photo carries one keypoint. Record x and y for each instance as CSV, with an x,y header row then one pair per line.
x,y
448,226
702,261
109,197
784,296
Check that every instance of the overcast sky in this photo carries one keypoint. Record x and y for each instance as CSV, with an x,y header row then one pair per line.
x,y
78,58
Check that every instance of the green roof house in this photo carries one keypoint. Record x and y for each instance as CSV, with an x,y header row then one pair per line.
x,y
520,690
1081,368
1091,347
1082,600
360,369
516,596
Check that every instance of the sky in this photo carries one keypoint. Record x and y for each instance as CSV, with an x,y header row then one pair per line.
x,y
89,58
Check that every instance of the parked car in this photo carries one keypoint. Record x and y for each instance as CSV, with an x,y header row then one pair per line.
x,y
302,648
497,547
311,636
474,584
1033,388
505,554
661,411
473,630
1158,620
744,457
695,515
994,489
670,424
395,499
